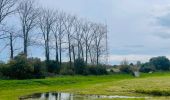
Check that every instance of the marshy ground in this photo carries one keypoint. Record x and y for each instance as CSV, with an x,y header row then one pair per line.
x,y
156,86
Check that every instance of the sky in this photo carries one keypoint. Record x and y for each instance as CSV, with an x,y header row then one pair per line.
x,y
138,29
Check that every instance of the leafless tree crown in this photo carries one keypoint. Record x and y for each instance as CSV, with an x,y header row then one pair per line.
x,y
57,31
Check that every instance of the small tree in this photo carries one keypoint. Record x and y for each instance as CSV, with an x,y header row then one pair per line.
x,y
160,63
125,67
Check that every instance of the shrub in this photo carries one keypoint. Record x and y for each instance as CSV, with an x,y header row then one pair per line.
x,y
39,68
160,63
97,70
3,68
66,70
19,68
146,68
125,69
79,66
53,67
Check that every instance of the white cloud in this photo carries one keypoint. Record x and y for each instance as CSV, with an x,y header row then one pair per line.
x,y
132,58
161,10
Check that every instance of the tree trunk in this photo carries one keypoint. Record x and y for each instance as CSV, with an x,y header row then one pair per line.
x,y
57,60
86,53
60,53
25,40
11,46
46,51
25,47
78,47
82,52
74,56
97,56
69,42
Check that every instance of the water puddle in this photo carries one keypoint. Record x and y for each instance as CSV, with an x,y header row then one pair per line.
x,y
69,96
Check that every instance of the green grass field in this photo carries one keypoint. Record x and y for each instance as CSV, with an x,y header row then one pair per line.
x,y
119,84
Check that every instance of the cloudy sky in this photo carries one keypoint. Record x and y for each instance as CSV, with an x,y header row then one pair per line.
x,y
138,29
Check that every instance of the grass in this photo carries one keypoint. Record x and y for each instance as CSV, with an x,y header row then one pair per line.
x,y
156,84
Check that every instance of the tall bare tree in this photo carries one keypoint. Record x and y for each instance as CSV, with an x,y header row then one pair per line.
x,y
59,32
87,37
78,37
100,32
56,38
7,7
11,35
69,26
28,15
46,21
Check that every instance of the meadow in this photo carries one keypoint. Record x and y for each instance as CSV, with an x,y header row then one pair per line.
x,y
155,85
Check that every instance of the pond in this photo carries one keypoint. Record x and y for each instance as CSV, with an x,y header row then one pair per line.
x,y
69,96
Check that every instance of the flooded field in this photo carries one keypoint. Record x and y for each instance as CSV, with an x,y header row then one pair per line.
x,y
69,96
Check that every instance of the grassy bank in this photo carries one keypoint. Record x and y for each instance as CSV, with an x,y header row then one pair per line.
x,y
148,84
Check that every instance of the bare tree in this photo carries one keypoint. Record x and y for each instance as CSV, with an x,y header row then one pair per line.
x,y
69,26
11,35
58,31
46,21
54,29
78,37
56,37
87,37
62,20
28,15
6,8
100,32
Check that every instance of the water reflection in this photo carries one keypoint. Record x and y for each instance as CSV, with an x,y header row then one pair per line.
x,y
68,96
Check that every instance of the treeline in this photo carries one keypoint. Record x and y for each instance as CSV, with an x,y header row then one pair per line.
x,y
22,67
161,63
55,30
59,33
155,64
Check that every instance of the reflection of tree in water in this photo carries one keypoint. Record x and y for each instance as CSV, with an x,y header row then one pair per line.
x,y
55,96
68,96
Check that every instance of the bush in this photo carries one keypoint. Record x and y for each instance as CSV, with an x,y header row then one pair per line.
x,y
160,63
79,66
19,68
39,68
3,69
65,70
146,68
125,69
97,70
53,67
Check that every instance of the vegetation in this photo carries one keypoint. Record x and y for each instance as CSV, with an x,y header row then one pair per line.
x,y
118,84
156,64
57,32
21,67
83,42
